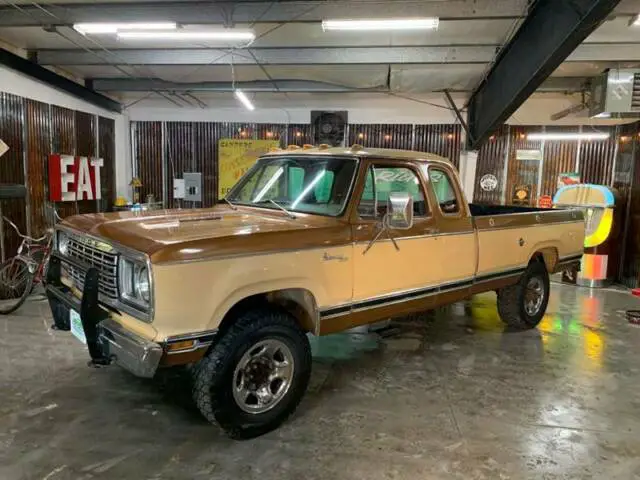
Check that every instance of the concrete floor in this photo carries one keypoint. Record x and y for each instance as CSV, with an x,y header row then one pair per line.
x,y
449,395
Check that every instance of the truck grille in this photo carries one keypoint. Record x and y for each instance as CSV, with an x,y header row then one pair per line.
x,y
98,255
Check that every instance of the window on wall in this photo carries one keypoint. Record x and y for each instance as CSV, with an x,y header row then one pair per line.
x,y
443,188
381,181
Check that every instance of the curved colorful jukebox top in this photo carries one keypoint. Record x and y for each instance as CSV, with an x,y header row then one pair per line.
x,y
601,225
597,202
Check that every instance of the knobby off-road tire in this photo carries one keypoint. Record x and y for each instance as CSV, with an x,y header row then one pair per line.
x,y
259,343
516,304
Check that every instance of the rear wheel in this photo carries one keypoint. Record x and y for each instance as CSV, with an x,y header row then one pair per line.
x,y
524,304
256,374
16,280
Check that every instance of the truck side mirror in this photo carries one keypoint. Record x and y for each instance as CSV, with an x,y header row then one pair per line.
x,y
399,211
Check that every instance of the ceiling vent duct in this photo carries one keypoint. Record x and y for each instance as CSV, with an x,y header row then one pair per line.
x,y
616,94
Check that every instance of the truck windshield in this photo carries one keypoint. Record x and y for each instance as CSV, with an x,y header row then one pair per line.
x,y
317,185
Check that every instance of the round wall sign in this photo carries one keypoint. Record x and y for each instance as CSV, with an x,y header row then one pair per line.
x,y
489,182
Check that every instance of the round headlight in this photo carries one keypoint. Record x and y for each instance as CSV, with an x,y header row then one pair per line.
x,y
63,243
142,284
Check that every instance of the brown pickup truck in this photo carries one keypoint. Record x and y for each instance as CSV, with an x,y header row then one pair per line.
x,y
309,241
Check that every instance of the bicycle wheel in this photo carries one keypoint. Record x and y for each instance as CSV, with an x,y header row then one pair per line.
x,y
16,280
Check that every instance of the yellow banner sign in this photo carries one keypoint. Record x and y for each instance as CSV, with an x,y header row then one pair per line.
x,y
235,157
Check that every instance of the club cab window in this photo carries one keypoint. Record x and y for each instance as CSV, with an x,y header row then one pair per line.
x,y
445,193
381,181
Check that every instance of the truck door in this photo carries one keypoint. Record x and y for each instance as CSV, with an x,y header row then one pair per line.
x,y
457,242
401,265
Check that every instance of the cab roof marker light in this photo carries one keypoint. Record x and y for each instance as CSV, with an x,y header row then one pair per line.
x,y
114,28
427,23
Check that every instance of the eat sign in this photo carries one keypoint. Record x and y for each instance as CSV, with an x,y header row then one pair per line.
x,y
74,178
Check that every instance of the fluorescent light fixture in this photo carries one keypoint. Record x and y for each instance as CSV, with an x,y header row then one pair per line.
x,y
234,35
308,189
113,28
568,136
635,21
240,95
429,23
269,184
603,115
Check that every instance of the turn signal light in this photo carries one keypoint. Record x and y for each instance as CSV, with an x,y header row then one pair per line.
x,y
293,147
307,146
182,345
323,146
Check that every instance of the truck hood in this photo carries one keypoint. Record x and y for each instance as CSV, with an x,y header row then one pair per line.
x,y
177,235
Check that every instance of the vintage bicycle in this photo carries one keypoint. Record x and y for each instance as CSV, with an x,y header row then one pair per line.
x,y
21,273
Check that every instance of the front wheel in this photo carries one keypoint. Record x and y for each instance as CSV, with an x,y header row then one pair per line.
x,y
16,280
255,376
524,304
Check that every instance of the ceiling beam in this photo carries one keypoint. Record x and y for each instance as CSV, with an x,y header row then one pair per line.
x,y
226,12
551,31
59,82
554,84
425,54
146,85
275,56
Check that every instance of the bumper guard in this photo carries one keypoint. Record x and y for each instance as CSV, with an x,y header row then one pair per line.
x,y
107,340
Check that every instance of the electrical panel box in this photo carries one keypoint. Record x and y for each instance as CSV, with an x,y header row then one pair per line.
x,y
178,188
193,187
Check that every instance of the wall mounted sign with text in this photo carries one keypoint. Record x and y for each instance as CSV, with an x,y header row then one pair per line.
x,y
521,195
528,154
74,178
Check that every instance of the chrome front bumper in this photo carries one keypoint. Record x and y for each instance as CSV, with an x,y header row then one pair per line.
x,y
126,349
107,340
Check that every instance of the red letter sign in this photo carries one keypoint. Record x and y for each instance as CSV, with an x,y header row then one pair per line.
x,y
74,178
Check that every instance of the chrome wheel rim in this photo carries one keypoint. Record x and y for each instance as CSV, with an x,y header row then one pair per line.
x,y
263,376
534,296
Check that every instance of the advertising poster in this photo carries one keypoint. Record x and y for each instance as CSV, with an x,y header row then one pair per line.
x,y
235,157
569,178
521,195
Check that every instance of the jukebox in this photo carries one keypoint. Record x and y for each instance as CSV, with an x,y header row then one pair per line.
x,y
598,203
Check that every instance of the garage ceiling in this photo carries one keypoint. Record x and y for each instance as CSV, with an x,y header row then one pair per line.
x,y
291,45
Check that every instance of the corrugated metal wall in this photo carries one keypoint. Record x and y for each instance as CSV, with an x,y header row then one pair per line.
x,y
86,127
491,159
39,142
107,151
381,136
442,139
558,157
597,158
12,111
33,130
147,144
299,134
193,146
626,180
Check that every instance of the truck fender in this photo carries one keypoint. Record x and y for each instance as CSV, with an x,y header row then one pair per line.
x,y
549,252
293,294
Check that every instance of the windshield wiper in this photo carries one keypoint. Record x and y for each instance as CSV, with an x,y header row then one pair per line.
x,y
278,206
233,207
289,214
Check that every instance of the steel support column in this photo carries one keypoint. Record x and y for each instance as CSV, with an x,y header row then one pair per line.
x,y
551,31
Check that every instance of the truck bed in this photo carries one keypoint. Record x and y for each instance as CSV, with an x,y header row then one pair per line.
x,y
478,210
